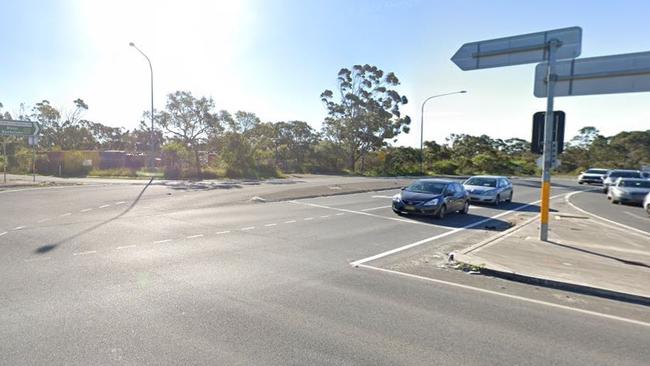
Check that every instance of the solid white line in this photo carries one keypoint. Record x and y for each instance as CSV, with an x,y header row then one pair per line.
x,y
439,236
66,214
43,220
125,247
247,228
120,203
3,233
375,208
222,232
37,259
515,297
86,210
19,227
84,253
382,196
290,222
58,187
162,241
368,214
269,225
194,236
568,200
103,206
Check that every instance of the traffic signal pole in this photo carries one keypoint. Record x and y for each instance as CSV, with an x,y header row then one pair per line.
x,y
553,44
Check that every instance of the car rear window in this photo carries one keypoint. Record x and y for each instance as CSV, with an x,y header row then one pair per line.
x,y
635,183
485,182
625,174
427,187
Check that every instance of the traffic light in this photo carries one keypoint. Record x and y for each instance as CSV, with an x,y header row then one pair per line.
x,y
537,142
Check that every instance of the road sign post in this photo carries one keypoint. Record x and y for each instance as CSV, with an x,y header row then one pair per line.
x,y
18,128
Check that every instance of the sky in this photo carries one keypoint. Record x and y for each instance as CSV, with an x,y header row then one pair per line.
x,y
275,57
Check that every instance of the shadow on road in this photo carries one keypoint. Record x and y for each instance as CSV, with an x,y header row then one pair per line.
x,y
456,220
519,207
49,247
624,261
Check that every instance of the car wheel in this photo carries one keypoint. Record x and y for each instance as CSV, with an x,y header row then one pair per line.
x,y
497,201
647,209
465,209
580,182
510,197
399,213
441,213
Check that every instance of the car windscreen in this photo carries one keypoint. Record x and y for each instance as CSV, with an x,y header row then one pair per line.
x,y
635,183
625,174
596,171
484,182
427,187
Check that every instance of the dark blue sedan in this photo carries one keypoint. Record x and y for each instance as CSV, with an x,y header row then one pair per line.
x,y
435,197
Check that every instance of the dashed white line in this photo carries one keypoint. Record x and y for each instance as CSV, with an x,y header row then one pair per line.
x,y
290,222
269,225
222,232
375,208
19,227
635,215
103,206
43,220
86,210
125,247
66,214
325,216
308,218
119,203
247,228
515,297
382,196
194,236
85,253
3,233
36,259
162,241
340,214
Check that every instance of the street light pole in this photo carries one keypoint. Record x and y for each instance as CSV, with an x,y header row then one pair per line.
x,y
422,125
152,136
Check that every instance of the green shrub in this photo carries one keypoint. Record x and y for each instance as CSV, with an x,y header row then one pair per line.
x,y
447,167
73,164
117,172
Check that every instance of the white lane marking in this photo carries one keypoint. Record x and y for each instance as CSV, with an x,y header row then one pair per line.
x,y
19,227
451,232
103,206
378,196
369,214
43,220
125,247
308,218
59,187
375,208
162,241
85,253
290,222
269,225
86,210
194,236
222,232
36,259
633,229
3,233
635,215
325,216
247,228
515,297
119,203
66,214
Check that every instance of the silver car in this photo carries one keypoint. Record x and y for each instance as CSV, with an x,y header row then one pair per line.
x,y
629,190
489,189
646,203
592,176
613,175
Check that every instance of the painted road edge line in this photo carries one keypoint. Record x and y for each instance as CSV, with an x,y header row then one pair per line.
x,y
568,200
439,236
515,297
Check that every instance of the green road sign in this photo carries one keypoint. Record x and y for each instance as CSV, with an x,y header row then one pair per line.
x,y
18,128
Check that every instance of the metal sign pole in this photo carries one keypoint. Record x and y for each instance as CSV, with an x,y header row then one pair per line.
x,y
553,44
4,156
34,160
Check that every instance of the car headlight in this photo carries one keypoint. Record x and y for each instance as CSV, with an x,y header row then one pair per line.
x,y
397,197
432,202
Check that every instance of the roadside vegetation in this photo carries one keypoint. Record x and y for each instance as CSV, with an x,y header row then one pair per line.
x,y
193,139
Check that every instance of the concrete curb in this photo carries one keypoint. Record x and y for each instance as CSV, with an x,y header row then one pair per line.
x,y
504,273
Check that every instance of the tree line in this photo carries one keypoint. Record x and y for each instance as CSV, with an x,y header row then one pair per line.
x,y
194,139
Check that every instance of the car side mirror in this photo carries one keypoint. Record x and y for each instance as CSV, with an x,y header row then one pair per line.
x,y
403,188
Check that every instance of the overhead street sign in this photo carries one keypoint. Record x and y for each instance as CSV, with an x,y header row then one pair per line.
x,y
626,73
19,128
517,50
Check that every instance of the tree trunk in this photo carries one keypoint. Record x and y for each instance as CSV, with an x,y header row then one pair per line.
x,y
353,159
198,163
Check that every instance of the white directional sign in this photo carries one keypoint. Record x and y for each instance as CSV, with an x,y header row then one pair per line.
x,y
517,50
626,73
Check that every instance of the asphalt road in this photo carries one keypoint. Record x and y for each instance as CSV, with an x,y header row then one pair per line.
x,y
595,202
121,275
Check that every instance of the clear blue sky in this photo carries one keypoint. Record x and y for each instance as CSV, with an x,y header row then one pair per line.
x,y
274,57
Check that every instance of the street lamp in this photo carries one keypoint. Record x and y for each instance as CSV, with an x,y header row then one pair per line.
x,y
152,137
422,125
